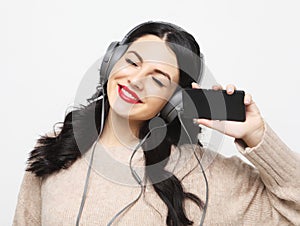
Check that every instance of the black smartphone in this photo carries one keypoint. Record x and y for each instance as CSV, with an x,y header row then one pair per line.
x,y
214,104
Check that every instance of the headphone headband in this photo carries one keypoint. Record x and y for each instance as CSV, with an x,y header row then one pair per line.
x,y
143,24
133,30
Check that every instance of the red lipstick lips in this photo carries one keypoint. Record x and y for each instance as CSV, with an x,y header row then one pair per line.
x,y
128,95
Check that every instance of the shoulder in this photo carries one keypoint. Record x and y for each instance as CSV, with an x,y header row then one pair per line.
x,y
30,188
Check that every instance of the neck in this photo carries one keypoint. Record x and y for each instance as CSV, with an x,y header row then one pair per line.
x,y
120,131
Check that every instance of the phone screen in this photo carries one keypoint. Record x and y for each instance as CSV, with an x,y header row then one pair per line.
x,y
213,104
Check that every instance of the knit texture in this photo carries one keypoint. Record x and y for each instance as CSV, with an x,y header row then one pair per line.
x,y
239,194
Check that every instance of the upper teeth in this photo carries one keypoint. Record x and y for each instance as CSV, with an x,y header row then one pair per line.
x,y
129,95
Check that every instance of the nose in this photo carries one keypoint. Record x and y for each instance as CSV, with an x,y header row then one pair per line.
x,y
135,82
138,79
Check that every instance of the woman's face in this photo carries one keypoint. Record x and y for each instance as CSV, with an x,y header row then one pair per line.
x,y
143,80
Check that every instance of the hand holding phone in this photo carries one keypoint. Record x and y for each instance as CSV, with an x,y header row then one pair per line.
x,y
214,104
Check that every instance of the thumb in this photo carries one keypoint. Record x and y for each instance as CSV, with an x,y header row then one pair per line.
x,y
195,85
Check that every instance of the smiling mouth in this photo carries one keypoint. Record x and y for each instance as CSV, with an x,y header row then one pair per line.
x,y
128,95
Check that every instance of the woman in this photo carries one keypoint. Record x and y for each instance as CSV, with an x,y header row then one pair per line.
x,y
91,172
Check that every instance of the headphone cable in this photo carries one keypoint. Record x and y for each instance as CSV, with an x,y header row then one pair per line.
x,y
90,163
204,175
134,174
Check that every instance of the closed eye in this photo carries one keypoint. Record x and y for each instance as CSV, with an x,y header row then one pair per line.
x,y
158,82
131,62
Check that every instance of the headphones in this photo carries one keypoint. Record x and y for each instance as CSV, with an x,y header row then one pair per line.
x,y
170,111
117,49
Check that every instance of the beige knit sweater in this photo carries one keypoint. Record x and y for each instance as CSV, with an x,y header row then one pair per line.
x,y
239,194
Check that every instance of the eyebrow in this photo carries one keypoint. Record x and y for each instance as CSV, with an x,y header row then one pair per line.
x,y
156,70
163,73
137,55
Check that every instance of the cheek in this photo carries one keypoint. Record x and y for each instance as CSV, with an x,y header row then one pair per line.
x,y
155,105
111,91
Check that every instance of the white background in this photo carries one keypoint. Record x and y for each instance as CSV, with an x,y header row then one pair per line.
x,y
47,46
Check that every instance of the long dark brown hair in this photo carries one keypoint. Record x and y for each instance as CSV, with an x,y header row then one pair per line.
x,y
59,152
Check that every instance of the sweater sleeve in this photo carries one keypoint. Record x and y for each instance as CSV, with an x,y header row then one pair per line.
x,y
28,209
277,193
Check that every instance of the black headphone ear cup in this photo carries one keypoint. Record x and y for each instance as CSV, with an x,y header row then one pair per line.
x,y
171,109
113,53
106,60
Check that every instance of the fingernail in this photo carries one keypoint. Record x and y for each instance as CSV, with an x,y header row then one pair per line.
x,y
195,121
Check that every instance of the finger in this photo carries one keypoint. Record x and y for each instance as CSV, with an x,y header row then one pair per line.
x,y
217,87
204,122
213,124
230,88
248,99
195,85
